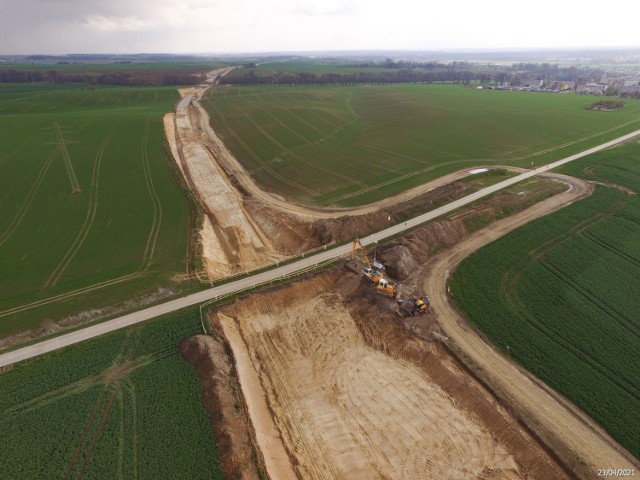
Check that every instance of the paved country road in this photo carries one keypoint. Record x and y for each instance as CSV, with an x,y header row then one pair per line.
x,y
244,283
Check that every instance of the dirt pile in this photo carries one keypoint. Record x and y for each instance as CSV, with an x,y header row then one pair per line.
x,y
222,398
404,256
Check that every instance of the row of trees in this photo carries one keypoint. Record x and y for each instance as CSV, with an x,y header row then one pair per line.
x,y
144,77
404,71
309,78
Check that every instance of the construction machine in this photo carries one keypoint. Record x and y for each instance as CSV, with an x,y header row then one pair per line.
x,y
371,270
385,288
422,304
415,306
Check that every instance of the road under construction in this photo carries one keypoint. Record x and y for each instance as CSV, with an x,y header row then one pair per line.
x,y
532,397
277,273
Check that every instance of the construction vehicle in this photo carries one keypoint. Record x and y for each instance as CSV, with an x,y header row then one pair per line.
x,y
370,271
415,306
422,304
376,264
385,288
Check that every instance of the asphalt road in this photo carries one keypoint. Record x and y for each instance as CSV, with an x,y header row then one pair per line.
x,y
248,282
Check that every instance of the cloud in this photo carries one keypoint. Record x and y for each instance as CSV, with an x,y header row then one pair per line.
x,y
102,23
326,8
129,26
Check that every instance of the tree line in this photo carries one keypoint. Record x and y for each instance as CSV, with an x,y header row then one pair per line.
x,y
151,77
391,71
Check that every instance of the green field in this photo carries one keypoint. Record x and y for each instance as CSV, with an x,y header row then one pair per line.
x,y
308,65
562,294
123,406
353,145
123,233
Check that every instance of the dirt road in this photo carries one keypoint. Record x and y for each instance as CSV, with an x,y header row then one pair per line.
x,y
232,241
555,420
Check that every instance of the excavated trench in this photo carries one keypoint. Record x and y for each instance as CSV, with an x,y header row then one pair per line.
x,y
355,388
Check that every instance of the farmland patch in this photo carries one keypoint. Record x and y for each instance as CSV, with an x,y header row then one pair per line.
x,y
568,284
352,145
121,406
90,211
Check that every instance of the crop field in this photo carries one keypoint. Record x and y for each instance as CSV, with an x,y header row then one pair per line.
x,y
90,212
353,145
561,295
306,65
122,406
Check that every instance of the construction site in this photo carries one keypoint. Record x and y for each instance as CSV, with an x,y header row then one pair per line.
x,y
363,370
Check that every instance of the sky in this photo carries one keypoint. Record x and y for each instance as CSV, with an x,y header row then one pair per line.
x,y
243,26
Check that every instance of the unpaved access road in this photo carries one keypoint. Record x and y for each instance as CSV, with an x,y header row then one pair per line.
x,y
556,420
244,283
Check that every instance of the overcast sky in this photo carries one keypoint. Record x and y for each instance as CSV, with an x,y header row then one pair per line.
x,y
218,26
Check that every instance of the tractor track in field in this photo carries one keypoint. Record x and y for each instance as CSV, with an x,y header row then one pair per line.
x,y
113,380
26,204
236,170
152,239
148,253
88,221
576,141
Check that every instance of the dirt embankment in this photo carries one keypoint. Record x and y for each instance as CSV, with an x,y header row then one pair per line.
x,y
222,398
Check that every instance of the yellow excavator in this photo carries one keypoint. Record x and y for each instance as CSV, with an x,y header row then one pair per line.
x,y
385,288
374,275
372,272
415,306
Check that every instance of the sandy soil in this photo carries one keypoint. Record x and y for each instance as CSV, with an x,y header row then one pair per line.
x,y
576,438
268,438
346,409
230,229
170,134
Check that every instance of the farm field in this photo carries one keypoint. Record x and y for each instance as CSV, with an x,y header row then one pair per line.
x,y
349,146
567,285
90,211
305,65
123,406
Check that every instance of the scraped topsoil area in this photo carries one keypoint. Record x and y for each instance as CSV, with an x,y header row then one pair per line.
x,y
355,394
